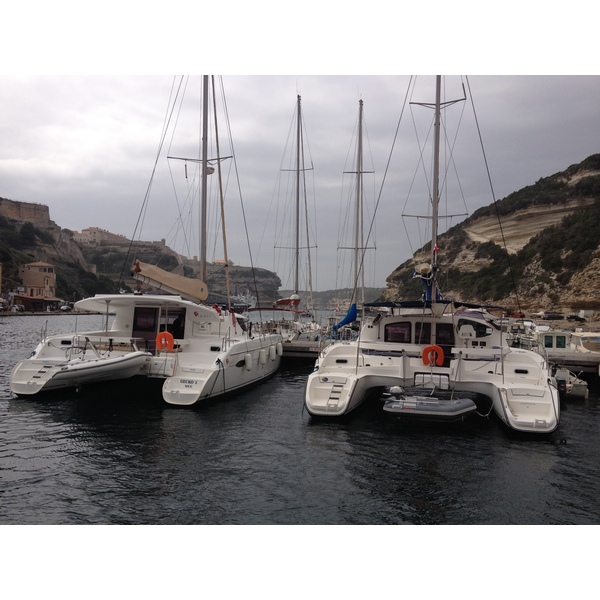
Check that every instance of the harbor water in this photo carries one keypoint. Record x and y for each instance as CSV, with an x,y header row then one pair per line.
x,y
116,458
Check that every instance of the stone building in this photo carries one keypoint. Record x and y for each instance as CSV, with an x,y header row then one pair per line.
x,y
38,289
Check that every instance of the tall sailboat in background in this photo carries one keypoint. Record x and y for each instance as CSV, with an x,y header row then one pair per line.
x,y
194,351
301,333
435,348
293,301
358,247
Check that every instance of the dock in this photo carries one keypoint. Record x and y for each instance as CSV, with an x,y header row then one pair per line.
x,y
301,349
577,362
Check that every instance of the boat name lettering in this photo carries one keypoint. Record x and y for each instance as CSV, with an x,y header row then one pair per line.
x,y
187,381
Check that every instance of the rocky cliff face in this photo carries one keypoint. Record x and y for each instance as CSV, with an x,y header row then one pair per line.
x,y
55,244
544,239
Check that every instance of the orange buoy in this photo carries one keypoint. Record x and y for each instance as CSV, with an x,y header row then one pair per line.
x,y
433,354
165,341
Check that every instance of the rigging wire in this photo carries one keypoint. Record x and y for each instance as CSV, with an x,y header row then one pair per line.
x,y
385,173
512,275
144,207
235,168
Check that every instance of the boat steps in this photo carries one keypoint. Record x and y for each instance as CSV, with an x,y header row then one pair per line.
x,y
335,395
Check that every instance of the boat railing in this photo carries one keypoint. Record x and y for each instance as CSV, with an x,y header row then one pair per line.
x,y
102,345
44,330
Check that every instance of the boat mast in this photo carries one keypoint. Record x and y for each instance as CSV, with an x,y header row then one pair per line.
x,y
358,225
204,159
297,248
436,191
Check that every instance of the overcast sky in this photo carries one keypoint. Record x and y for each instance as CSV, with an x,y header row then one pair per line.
x,y
85,143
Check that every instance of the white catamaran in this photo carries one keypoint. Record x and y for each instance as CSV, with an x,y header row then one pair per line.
x,y
196,351
428,353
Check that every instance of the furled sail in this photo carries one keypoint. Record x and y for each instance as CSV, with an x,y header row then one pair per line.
x,y
190,289
349,318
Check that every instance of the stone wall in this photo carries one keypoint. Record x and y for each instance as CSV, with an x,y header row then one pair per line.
x,y
25,211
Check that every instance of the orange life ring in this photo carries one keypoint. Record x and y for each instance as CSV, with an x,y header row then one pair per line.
x,y
438,355
165,341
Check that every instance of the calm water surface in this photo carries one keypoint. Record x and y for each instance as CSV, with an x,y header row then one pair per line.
x,y
124,458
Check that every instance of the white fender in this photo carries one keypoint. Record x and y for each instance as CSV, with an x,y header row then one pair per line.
x,y
262,356
248,361
279,349
272,352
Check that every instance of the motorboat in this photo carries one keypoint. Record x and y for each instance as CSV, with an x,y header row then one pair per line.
x,y
570,385
435,344
585,341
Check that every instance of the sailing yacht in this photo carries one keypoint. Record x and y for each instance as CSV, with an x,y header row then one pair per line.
x,y
193,351
301,330
434,348
358,247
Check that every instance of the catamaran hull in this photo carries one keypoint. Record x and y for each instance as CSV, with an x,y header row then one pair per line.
x,y
335,395
30,377
230,373
523,408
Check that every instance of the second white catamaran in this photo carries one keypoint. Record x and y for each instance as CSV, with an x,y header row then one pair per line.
x,y
436,347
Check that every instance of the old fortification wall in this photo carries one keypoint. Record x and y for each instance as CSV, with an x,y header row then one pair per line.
x,y
25,211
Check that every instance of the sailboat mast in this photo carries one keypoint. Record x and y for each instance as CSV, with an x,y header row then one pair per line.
x,y
358,208
436,191
203,199
297,248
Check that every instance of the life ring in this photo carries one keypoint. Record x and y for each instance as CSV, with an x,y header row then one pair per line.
x,y
165,341
438,355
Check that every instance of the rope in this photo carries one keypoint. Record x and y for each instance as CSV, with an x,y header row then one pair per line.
x,y
144,207
512,275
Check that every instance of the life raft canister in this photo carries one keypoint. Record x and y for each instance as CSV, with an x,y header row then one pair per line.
x,y
433,354
165,341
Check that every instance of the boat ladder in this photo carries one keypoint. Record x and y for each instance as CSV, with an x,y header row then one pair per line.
x,y
334,395
42,375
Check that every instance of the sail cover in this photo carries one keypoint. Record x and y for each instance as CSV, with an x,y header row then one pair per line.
x,y
349,318
191,289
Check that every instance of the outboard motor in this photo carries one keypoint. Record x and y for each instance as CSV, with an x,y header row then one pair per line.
x,y
561,385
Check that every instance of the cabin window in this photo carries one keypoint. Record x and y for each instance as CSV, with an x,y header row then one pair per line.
x,y
444,334
173,321
423,333
398,332
548,339
145,325
561,341
481,329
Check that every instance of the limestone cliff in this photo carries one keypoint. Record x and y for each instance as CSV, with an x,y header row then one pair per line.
x,y
538,248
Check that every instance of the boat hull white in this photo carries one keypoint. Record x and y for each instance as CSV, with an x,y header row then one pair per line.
x,y
30,377
515,381
230,372
198,351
